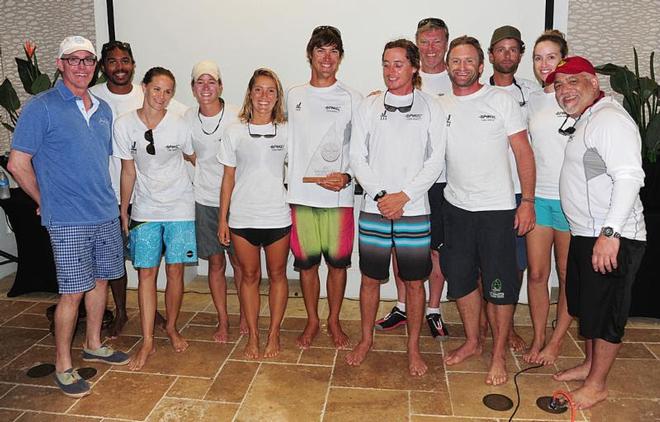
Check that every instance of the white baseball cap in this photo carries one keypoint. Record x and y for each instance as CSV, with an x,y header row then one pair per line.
x,y
75,43
205,67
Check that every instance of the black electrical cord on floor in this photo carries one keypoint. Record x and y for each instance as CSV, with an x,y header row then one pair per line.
x,y
515,382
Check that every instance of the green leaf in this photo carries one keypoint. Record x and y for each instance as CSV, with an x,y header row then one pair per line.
x,y
636,62
8,97
608,69
647,87
26,74
8,127
624,82
652,136
40,84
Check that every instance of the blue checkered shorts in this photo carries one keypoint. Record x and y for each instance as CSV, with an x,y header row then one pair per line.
x,y
84,254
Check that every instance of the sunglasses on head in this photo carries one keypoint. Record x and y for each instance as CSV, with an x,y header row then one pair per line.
x,y
258,135
433,21
402,109
326,28
149,137
115,44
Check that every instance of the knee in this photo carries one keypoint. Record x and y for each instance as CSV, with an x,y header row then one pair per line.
x,y
250,276
277,272
70,299
217,266
536,276
414,287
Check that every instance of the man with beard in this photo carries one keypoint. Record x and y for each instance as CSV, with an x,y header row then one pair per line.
x,y
479,212
505,53
397,153
118,66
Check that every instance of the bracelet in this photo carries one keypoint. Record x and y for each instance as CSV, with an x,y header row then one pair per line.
x,y
530,200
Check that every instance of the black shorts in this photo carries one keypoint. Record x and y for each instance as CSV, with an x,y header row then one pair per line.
x,y
481,240
436,198
262,237
601,301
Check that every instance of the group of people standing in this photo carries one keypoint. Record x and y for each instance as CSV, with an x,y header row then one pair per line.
x,y
453,190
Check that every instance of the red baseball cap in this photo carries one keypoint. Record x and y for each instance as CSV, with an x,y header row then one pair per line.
x,y
571,66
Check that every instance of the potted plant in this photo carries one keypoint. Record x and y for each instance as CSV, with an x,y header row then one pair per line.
x,y
641,98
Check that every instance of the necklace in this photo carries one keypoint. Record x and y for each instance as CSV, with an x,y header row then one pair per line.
x,y
201,124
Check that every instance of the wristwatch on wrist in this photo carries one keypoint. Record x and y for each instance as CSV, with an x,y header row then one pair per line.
x,y
379,195
609,232
350,179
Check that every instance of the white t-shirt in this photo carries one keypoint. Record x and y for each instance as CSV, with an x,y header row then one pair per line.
x,y
545,119
208,171
319,137
521,93
602,173
259,197
436,84
122,104
163,191
398,152
478,172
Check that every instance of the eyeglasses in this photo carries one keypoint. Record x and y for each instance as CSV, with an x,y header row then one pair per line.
x,y
258,135
75,61
149,137
433,22
569,130
403,109
326,28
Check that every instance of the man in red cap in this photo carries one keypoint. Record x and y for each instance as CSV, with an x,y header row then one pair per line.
x,y
599,191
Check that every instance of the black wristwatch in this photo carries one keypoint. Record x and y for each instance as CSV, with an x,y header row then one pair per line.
x,y
350,179
379,195
609,232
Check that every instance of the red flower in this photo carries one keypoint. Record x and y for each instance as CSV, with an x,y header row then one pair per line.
x,y
29,48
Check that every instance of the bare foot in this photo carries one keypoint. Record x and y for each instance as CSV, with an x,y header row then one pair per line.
x,y
160,321
339,337
140,358
272,346
465,351
243,327
178,342
416,365
577,373
117,325
222,334
516,342
587,396
531,355
251,350
309,333
356,356
497,373
549,354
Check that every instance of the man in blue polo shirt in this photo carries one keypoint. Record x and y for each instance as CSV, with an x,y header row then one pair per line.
x,y
59,157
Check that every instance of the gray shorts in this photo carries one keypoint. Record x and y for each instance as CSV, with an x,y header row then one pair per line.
x,y
206,230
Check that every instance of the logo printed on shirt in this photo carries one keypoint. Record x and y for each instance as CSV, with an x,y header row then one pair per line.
x,y
103,121
561,114
299,106
277,147
384,115
332,109
496,289
414,116
133,147
173,147
487,117
449,121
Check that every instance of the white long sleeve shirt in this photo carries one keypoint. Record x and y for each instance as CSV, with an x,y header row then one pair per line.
x,y
602,173
398,152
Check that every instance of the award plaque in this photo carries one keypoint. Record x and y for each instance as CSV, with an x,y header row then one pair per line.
x,y
326,158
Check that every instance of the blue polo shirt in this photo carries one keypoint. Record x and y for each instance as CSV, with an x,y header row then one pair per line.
x,y
70,154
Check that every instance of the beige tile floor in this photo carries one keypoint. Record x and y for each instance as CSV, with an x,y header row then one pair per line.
x,y
213,382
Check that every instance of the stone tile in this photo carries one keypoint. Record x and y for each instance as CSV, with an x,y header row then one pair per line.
x,y
16,340
568,348
455,330
9,415
201,359
400,343
634,351
10,308
232,382
16,372
190,388
654,348
39,308
625,410
304,388
388,370
28,397
631,378
351,404
25,320
138,394
468,390
195,302
206,332
294,308
642,335
417,418
294,323
171,409
318,356
123,343
642,322
350,310
431,403
51,417
475,363
289,351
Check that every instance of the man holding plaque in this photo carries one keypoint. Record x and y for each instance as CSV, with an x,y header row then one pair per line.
x,y
320,189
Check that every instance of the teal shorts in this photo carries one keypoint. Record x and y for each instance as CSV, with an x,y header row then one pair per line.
x,y
146,241
549,214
